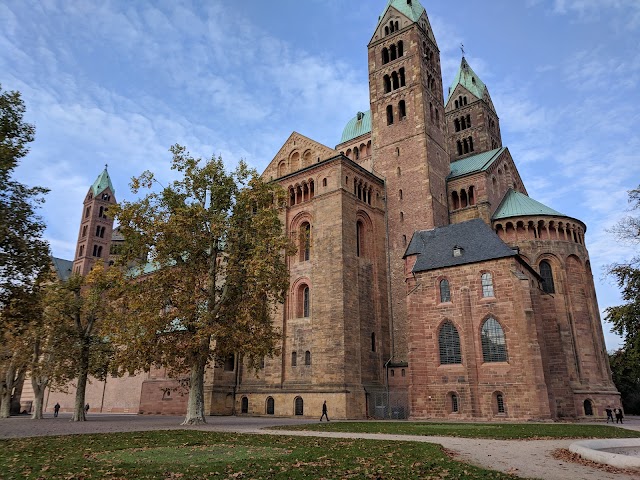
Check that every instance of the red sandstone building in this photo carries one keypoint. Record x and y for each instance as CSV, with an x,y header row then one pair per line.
x,y
427,284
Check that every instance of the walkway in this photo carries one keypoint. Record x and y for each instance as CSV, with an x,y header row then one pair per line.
x,y
525,458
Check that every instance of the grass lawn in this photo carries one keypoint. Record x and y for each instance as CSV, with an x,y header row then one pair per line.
x,y
475,430
195,455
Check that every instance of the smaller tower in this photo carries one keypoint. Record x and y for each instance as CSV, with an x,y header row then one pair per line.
x,y
472,122
96,226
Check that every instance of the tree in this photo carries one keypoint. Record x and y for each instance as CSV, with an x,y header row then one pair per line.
x,y
78,309
625,369
626,317
215,243
23,253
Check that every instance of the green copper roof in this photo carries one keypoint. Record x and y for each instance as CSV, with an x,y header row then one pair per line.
x,y
469,80
516,204
475,163
102,182
358,125
412,9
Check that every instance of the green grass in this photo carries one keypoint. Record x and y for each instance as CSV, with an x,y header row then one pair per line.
x,y
500,431
197,455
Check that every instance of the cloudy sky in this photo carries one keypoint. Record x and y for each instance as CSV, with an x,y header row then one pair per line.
x,y
117,82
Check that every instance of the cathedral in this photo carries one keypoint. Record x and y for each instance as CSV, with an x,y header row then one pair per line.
x,y
427,283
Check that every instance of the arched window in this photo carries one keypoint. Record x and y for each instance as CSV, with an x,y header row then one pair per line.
x,y
457,106
244,405
385,55
392,52
449,344
547,277
307,357
389,114
81,253
299,406
270,406
468,121
463,123
98,231
455,408
400,194
445,293
87,212
373,342
588,408
306,298
402,110
294,359
400,49
471,144
387,84
456,124
455,199
386,31
500,403
229,363
305,242
359,238
395,81
459,144
487,285
101,213
494,345
402,81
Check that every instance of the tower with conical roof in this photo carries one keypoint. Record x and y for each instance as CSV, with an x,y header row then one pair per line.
x,y
473,125
96,226
408,135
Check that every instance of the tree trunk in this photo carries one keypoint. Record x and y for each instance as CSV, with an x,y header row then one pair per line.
x,y
195,406
39,385
17,392
7,390
83,373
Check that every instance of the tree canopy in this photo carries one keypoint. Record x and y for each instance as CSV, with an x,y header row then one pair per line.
x,y
213,269
626,317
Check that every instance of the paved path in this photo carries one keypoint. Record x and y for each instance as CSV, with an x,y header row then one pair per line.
x,y
525,458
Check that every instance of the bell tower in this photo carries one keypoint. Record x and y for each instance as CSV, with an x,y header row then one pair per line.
x,y
472,122
96,226
409,135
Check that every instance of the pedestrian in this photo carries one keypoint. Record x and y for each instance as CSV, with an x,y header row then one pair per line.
x,y
56,409
619,415
86,408
609,413
324,411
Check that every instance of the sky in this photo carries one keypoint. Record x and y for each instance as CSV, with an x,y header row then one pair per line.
x,y
118,82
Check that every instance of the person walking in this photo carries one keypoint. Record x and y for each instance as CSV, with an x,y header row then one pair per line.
x,y
609,413
86,408
56,409
619,415
324,411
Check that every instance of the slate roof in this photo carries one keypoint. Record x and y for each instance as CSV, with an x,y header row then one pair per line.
x,y
102,182
62,267
412,11
477,240
469,80
358,125
516,204
475,163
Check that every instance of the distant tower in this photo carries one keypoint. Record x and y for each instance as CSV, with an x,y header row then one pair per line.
x,y
96,226
409,137
472,122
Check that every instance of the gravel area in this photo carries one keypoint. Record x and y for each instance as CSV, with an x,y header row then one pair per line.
x,y
525,458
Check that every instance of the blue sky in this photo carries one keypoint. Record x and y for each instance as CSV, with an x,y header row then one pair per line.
x,y
118,82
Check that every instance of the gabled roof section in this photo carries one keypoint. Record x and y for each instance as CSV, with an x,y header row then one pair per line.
x,y
475,163
102,183
474,240
469,80
300,143
63,268
412,9
357,126
516,204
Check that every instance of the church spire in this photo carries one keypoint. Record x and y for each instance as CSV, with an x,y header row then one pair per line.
x,y
469,80
102,183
